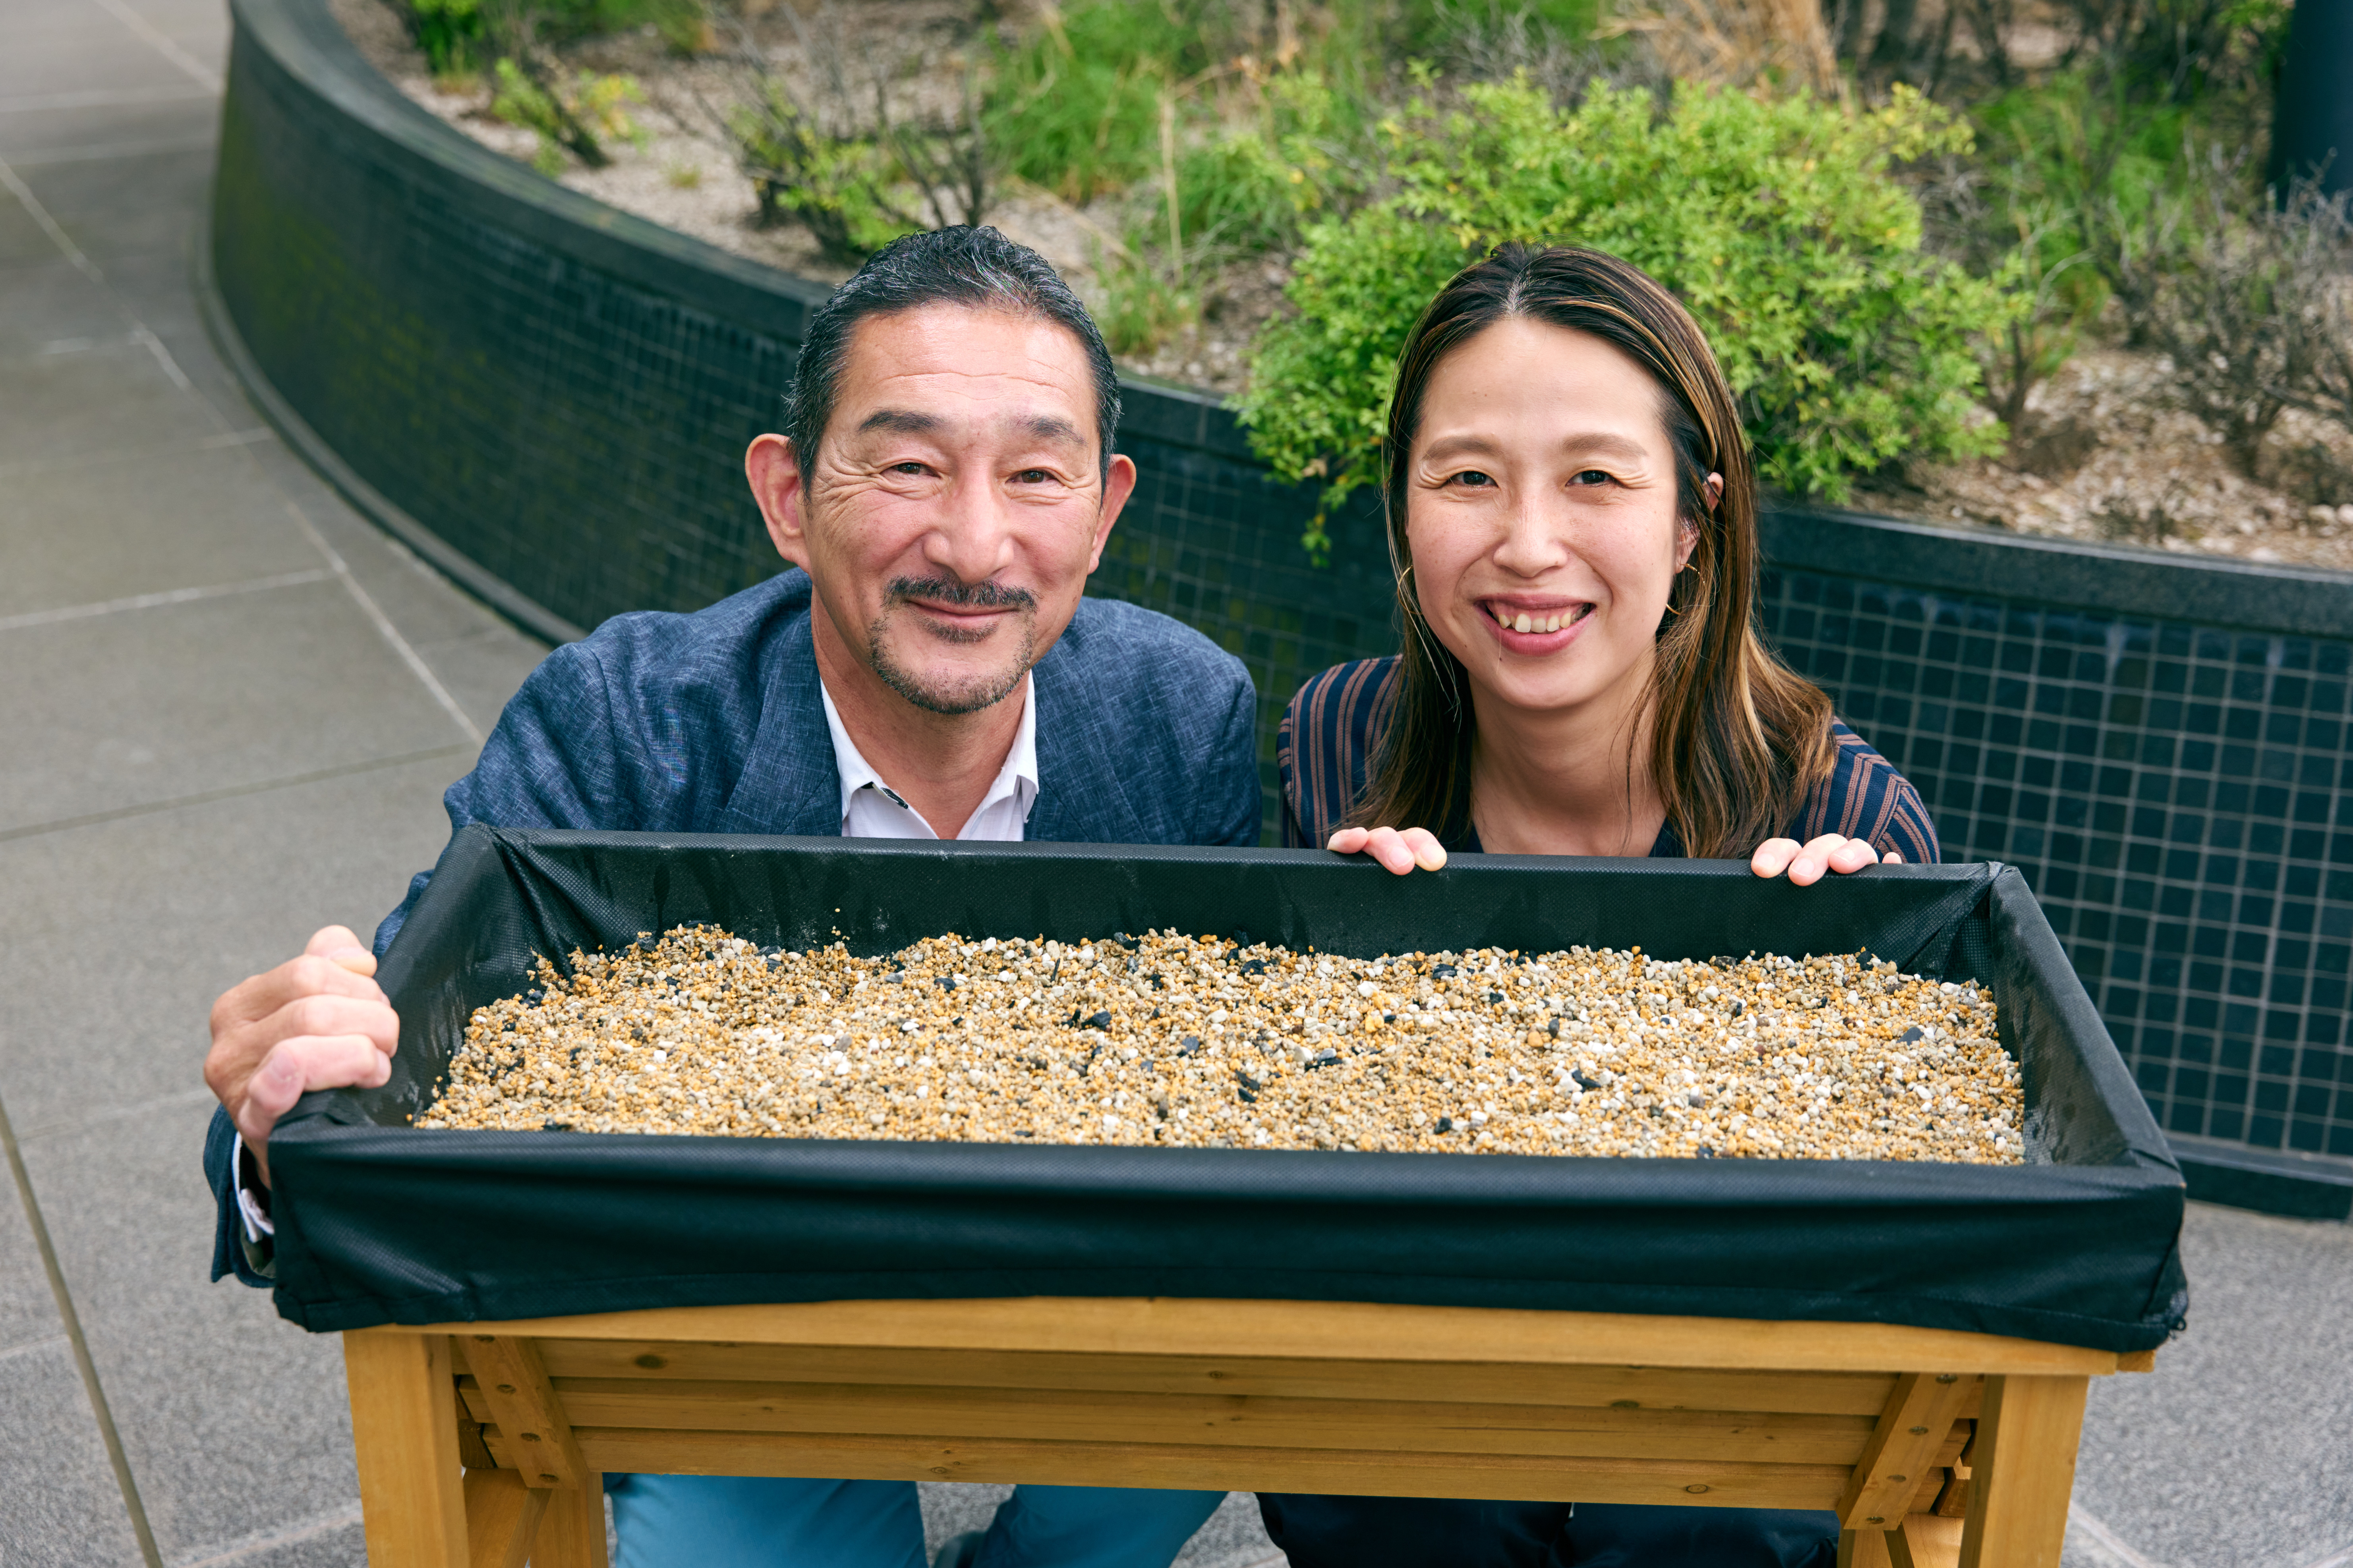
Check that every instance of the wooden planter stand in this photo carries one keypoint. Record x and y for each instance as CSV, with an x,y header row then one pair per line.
x,y
485,1443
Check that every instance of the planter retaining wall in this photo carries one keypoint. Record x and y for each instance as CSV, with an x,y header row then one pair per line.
x,y
550,399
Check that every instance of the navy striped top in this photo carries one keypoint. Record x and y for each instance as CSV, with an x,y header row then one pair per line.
x,y
1334,726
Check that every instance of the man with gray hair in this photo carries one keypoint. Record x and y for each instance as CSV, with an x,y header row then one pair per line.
x,y
928,668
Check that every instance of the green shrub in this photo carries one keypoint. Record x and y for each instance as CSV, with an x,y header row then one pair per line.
x,y
577,116
1077,106
1777,222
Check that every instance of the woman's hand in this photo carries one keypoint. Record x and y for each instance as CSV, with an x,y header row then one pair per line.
x,y
1806,863
1400,852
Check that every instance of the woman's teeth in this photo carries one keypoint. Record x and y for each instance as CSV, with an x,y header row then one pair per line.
x,y
1525,622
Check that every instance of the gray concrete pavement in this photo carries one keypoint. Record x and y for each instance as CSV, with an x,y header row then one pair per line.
x,y
230,706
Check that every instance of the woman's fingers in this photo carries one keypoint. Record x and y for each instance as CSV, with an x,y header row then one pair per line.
x,y
1398,852
1806,864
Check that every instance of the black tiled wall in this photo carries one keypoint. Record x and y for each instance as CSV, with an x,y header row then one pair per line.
x,y
562,395
2180,798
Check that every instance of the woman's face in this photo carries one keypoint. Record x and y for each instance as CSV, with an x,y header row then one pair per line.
x,y
1541,512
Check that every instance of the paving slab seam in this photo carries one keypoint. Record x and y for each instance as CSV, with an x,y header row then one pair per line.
x,y
202,74
33,1347
115,455
105,152
2109,1540
123,1481
382,623
48,1129
155,600
230,791
293,1535
101,98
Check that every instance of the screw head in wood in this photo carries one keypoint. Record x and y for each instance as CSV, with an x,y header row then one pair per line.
x,y
1916,1431
545,1476
1876,1519
1899,1478
1695,1488
509,1388
1949,1377
533,1438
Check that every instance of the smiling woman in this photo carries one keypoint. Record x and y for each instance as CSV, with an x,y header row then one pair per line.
x,y
1572,517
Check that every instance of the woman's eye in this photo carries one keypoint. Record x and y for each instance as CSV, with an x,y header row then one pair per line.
x,y
1592,476
1473,479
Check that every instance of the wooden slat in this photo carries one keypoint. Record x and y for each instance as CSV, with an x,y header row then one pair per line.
x,y
1311,1329
1925,1542
502,1519
470,1451
2023,1471
2137,1360
1672,1388
516,1395
1953,1496
1902,1450
1863,1549
405,1432
1122,1418
573,1533
1544,1478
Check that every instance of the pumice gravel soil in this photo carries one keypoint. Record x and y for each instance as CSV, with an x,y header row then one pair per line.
x,y
1186,1041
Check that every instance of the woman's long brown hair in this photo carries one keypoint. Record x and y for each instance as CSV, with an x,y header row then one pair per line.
x,y
1737,737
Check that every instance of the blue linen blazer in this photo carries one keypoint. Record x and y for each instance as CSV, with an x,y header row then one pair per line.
x,y
712,722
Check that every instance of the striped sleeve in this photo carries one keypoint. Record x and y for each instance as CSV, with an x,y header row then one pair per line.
x,y
1325,748
1864,798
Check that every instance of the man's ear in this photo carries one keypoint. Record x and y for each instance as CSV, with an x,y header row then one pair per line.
x,y
1118,483
777,484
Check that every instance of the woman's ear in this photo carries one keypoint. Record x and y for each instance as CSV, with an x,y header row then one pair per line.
x,y
1687,536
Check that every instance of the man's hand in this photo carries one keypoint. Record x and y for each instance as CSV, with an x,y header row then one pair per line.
x,y
1400,852
315,1021
1806,862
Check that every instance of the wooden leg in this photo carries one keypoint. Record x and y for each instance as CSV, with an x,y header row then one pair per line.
x,y
1926,1541
2023,1471
573,1533
1863,1549
502,1518
405,1430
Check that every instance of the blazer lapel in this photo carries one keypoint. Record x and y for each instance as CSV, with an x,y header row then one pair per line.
x,y
1081,799
788,784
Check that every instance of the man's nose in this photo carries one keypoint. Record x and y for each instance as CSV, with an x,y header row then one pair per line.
x,y
972,539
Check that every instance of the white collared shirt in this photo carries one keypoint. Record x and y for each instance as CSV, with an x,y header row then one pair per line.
x,y
872,809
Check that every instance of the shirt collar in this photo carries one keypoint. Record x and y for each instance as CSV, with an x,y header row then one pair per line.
x,y
1015,780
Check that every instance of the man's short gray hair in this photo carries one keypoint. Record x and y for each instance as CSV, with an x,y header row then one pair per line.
x,y
959,265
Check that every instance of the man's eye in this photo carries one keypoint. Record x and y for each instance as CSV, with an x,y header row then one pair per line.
x,y
1473,479
1034,477
910,467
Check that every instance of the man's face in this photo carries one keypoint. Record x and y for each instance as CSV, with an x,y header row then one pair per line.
x,y
956,502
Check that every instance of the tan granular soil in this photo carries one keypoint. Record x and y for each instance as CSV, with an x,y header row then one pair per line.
x,y
1181,1041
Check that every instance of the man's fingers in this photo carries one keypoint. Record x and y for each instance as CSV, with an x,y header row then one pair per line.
x,y
293,1068
1773,857
340,945
312,975
324,1016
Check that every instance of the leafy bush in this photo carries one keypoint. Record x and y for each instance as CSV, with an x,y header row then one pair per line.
x,y
1778,224
577,116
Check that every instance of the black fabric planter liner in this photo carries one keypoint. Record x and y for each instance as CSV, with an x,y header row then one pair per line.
x,y
381,1222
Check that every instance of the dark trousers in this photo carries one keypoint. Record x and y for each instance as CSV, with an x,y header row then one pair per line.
x,y
1421,1532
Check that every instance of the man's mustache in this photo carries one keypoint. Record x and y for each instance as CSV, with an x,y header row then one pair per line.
x,y
982,595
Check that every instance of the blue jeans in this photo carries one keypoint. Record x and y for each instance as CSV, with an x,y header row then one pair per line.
x,y
731,1521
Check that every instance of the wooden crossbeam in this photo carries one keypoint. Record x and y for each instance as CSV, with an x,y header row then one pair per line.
x,y
1902,1450
518,1396
1926,1541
